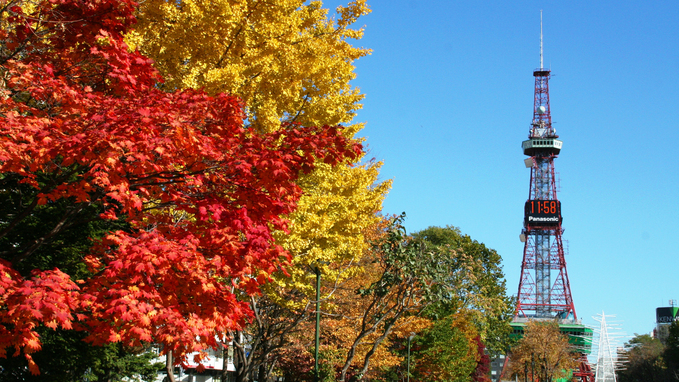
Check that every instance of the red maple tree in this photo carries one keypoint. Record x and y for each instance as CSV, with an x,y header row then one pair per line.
x,y
199,191
482,371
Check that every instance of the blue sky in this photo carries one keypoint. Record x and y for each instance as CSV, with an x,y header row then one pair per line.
x,y
449,97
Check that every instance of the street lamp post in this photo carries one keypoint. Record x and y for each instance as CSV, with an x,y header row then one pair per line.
x,y
317,270
410,339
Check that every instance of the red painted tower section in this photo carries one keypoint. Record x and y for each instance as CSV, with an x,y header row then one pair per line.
x,y
544,289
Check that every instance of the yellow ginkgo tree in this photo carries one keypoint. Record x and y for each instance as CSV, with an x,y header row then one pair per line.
x,y
286,59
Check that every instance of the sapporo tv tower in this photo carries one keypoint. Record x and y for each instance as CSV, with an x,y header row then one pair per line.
x,y
544,290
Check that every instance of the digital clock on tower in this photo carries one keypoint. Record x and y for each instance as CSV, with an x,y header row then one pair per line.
x,y
543,212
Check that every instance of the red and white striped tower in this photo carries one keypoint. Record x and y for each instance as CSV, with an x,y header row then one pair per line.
x,y
544,289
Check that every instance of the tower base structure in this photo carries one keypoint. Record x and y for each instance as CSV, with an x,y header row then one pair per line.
x,y
584,373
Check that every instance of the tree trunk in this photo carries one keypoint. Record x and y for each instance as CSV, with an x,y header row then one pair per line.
x,y
169,366
225,362
262,377
240,359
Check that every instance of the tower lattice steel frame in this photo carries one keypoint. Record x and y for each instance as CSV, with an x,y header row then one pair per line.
x,y
544,289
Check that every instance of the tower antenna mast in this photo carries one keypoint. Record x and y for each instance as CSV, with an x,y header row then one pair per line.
x,y
541,66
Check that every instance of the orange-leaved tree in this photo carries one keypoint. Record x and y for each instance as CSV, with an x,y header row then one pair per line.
x,y
188,197
543,353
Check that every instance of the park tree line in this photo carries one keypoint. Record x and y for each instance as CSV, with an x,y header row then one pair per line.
x,y
177,174
647,358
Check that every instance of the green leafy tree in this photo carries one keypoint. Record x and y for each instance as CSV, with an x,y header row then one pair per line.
x,y
672,350
645,362
447,351
483,291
